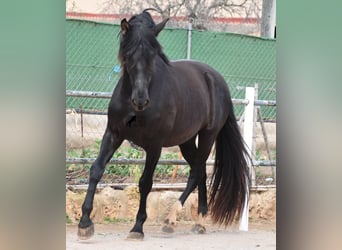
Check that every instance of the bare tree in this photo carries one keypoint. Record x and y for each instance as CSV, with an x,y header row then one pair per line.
x,y
194,8
123,7
199,12
71,6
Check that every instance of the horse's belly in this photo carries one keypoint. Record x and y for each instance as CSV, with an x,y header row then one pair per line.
x,y
182,133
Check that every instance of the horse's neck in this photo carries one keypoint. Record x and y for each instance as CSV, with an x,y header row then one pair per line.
x,y
161,64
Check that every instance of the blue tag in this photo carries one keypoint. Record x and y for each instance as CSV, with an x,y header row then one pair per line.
x,y
116,69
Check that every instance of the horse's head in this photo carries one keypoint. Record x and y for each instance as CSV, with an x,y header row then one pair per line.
x,y
138,51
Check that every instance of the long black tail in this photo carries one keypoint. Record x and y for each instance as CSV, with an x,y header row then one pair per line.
x,y
230,180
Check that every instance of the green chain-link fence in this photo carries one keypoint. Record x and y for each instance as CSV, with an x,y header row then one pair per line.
x,y
92,64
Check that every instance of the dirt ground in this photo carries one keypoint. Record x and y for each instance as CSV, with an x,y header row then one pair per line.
x,y
261,235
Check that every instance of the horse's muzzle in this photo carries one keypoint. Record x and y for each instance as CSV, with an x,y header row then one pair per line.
x,y
140,105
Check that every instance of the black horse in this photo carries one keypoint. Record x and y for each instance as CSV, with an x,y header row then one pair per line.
x,y
158,103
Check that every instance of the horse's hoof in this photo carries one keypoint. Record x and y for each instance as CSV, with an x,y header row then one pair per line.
x,y
85,233
168,229
198,229
135,236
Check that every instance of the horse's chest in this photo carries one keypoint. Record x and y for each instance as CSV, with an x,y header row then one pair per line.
x,y
138,128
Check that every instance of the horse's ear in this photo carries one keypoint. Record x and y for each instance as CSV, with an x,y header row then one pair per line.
x,y
124,26
160,26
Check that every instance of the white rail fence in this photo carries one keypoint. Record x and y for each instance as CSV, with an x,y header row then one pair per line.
x,y
249,117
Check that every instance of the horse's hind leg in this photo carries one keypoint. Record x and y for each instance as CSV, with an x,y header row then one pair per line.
x,y
108,146
190,153
202,199
196,157
206,141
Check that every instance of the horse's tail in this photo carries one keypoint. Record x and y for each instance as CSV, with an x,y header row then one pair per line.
x,y
230,180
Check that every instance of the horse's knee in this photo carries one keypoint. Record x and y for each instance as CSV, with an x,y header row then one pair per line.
x,y
96,172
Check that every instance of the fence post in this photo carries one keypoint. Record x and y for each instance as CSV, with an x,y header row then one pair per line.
x,y
253,153
248,138
268,18
264,133
188,53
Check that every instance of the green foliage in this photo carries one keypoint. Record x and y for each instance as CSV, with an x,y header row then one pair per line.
x,y
261,155
68,220
166,170
119,170
136,171
110,220
184,170
123,170
127,169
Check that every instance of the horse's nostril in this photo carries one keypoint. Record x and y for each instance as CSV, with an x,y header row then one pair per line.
x,y
140,104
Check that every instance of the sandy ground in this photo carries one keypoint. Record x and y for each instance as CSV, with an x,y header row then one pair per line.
x,y
113,236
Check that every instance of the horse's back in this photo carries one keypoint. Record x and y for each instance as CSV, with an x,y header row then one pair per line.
x,y
189,69
197,75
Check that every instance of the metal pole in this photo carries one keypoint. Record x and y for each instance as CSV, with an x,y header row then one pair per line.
x,y
108,95
268,19
126,161
188,53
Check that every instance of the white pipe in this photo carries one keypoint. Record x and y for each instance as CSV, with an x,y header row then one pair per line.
x,y
188,53
248,138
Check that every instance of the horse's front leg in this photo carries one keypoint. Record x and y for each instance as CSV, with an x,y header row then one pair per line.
x,y
145,186
108,146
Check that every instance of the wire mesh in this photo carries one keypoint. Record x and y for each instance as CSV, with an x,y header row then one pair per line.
x,y
92,64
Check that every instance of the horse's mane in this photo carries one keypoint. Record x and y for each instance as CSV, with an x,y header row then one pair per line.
x,y
141,34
